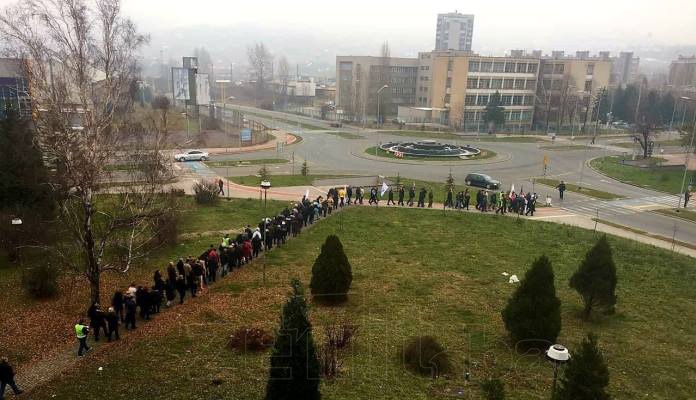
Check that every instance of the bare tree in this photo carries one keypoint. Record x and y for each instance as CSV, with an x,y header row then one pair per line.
x,y
161,104
81,62
283,79
260,61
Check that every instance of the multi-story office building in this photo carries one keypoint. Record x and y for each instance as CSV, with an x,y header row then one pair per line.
x,y
682,73
359,78
463,83
454,31
569,87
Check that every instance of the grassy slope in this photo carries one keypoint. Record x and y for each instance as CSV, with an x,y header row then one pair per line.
x,y
410,279
666,179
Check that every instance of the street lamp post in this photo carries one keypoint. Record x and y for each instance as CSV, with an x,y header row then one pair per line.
x,y
558,355
265,185
379,119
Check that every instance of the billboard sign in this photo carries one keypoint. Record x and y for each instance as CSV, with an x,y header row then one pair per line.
x,y
180,83
202,89
246,135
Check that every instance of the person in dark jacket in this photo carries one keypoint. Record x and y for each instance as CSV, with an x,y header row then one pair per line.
x,y
401,195
390,197
112,323
158,281
181,288
7,378
170,291
430,198
467,198
411,195
117,303
97,320
448,200
561,189
131,307
421,198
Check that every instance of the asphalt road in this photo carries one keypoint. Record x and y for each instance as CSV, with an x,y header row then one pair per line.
x,y
327,152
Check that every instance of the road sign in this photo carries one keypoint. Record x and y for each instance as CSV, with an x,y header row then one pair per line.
x,y
546,159
246,135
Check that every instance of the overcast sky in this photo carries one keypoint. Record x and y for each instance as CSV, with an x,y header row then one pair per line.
x,y
546,24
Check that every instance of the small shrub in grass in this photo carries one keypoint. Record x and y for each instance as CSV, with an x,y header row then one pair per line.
x,y
596,279
425,356
250,338
166,229
206,192
493,389
41,281
331,273
177,192
337,337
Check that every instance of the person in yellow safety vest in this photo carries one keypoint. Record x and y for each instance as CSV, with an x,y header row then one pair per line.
x,y
226,240
81,331
342,196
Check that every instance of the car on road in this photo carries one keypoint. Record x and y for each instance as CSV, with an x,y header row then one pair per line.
x,y
482,180
192,155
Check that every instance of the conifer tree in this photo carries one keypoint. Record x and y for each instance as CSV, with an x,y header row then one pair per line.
x,y
595,280
533,313
294,371
587,375
332,274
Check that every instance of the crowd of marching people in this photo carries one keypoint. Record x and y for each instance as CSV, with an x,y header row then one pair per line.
x,y
192,275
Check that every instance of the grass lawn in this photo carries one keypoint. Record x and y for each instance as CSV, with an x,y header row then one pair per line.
x,y
199,227
283,180
571,187
468,138
244,163
665,179
411,277
386,154
680,213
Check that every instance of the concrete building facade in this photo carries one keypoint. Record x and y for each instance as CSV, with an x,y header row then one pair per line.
x,y
14,87
624,68
358,78
682,72
454,31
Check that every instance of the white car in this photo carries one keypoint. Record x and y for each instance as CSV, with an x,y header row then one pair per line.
x,y
192,155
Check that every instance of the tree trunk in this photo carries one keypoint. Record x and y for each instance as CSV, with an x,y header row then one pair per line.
x,y
93,270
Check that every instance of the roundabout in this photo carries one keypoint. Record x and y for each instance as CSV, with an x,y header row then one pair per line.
x,y
429,149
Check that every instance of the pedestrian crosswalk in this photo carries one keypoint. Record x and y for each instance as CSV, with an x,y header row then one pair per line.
x,y
195,169
593,207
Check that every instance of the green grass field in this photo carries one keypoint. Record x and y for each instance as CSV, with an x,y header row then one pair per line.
x,y
665,179
571,187
283,180
413,276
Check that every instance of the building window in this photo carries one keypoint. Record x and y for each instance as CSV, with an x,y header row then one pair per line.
x,y
450,65
499,66
531,68
447,99
546,84
519,84
486,66
474,66
530,84
509,67
558,69
521,68
588,86
506,100
556,85
517,100
471,83
526,115
496,83
484,83
508,83
515,115
529,100
346,66
470,100
548,69
470,116
590,69
449,82
482,100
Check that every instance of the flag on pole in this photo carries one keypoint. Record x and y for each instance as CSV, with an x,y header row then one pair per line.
x,y
384,188
306,195
512,189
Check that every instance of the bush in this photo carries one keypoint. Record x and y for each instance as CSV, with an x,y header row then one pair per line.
x,y
177,192
305,168
533,313
206,192
250,338
336,338
41,281
493,389
166,229
331,274
424,355
595,279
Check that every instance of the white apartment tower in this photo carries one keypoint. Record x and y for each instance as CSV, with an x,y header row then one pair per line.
x,y
454,31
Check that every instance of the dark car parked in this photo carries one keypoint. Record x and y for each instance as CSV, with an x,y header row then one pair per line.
x,y
483,181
